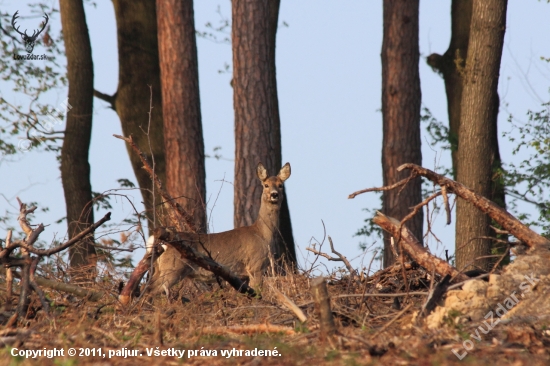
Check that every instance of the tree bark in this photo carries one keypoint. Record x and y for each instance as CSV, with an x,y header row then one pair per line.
x,y
257,121
451,66
184,143
401,97
478,155
75,168
138,69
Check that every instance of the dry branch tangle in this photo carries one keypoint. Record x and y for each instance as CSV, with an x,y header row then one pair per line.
x,y
504,218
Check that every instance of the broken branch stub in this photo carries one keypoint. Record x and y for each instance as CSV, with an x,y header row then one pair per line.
x,y
327,329
503,217
415,249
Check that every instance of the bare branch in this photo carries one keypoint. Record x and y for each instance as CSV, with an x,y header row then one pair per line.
x,y
76,239
386,188
504,218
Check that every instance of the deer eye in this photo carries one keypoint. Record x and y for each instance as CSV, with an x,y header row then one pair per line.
x,y
280,186
266,185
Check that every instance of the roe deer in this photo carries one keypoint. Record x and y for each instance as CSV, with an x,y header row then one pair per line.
x,y
246,250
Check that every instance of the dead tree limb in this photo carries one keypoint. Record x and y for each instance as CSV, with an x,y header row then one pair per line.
x,y
202,260
402,182
284,300
415,249
27,263
503,217
340,258
137,274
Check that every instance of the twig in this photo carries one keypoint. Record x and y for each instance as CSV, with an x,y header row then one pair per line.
x,y
446,204
393,320
506,252
57,249
378,189
457,285
344,259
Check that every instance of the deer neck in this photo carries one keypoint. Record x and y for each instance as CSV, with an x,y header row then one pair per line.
x,y
268,220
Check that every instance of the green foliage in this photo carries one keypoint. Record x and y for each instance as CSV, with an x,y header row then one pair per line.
x,y
529,180
26,113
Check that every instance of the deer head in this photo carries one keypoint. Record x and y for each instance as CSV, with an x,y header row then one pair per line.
x,y
28,40
273,186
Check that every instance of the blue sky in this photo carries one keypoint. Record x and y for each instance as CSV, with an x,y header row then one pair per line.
x,y
329,80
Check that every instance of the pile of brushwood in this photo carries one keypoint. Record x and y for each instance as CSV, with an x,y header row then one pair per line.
x,y
421,310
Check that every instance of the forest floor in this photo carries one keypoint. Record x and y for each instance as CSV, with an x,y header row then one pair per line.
x,y
218,326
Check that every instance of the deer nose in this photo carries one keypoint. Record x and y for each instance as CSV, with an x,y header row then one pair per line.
x,y
274,195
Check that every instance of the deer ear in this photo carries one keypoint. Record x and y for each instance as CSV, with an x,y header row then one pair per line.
x,y
284,173
262,173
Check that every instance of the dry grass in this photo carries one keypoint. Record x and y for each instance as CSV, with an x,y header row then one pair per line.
x,y
372,330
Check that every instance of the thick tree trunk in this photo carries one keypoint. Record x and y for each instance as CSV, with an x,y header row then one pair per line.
x,y
138,50
478,143
257,122
75,169
451,65
401,98
183,139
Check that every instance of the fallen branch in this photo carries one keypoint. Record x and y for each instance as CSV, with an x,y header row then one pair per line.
x,y
66,287
249,329
290,305
501,216
415,249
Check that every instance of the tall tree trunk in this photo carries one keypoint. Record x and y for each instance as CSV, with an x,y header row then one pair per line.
x,y
478,144
75,168
451,66
401,97
184,144
257,122
138,50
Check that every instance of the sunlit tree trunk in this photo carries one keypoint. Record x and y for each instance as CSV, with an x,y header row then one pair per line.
x,y
478,157
183,139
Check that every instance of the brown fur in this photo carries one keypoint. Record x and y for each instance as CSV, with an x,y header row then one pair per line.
x,y
246,250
